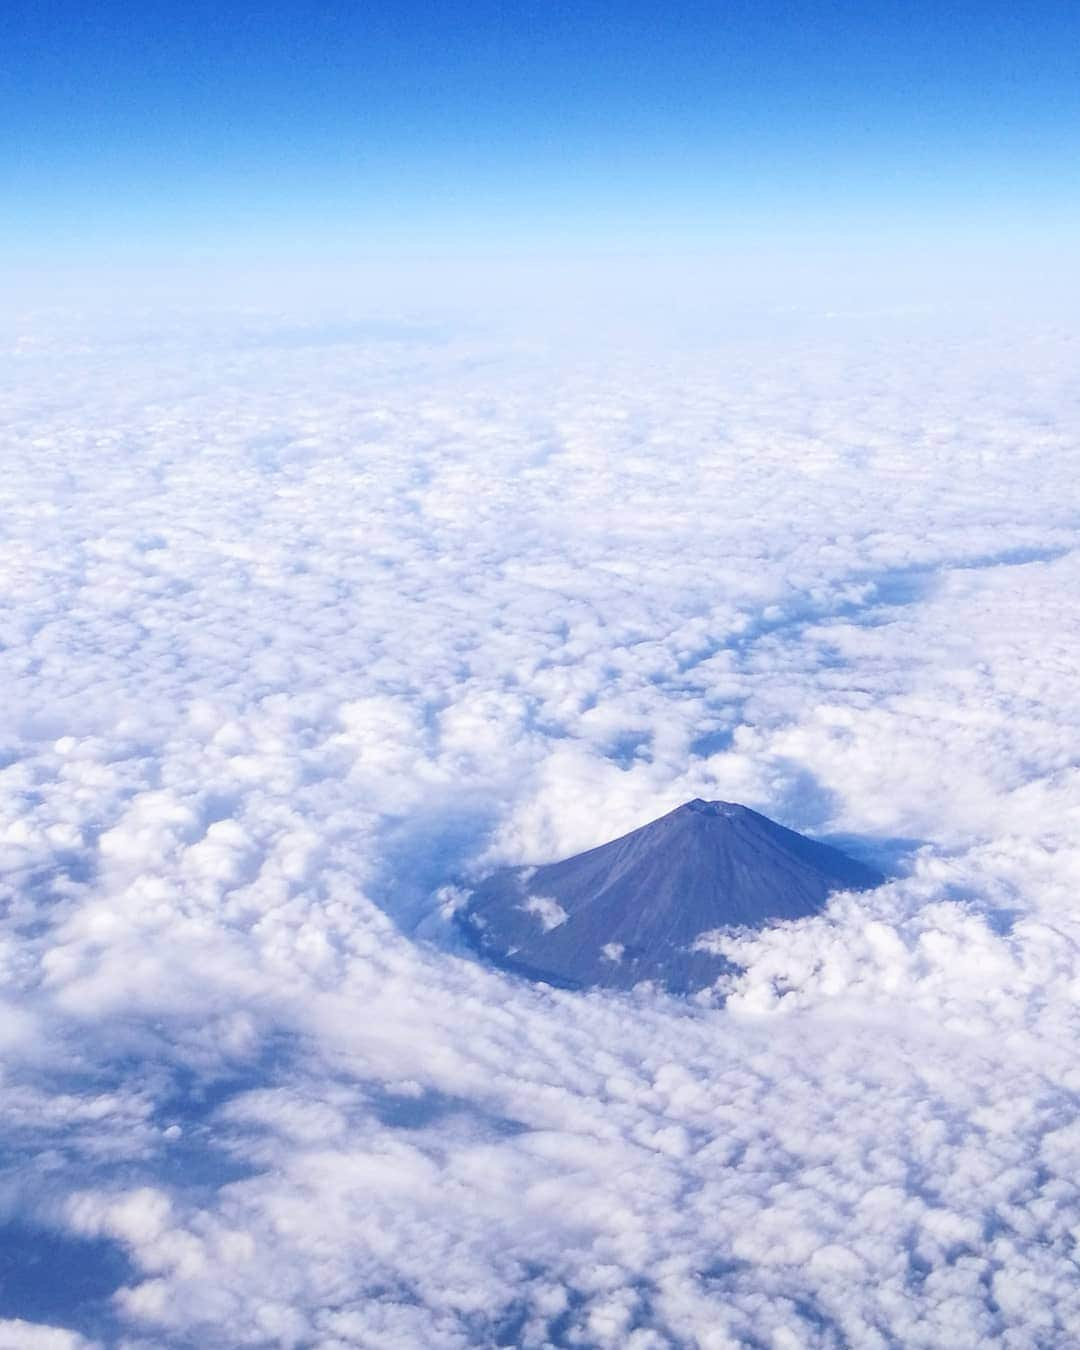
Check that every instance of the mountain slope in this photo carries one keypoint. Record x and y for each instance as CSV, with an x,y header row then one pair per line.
x,y
632,909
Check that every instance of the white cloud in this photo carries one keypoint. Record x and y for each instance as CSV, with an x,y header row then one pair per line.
x,y
291,643
17,1334
549,912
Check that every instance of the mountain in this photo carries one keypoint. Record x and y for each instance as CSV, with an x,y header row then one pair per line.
x,y
632,909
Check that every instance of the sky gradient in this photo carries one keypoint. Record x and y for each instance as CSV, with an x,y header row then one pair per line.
x,y
158,135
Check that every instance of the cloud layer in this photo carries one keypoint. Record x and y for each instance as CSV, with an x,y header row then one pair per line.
x,y
297,627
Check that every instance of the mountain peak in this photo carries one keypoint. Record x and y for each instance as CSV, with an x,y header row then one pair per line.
x,y
703,808
633,909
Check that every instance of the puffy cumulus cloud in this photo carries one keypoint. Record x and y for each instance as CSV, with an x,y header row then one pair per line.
x,y
297,634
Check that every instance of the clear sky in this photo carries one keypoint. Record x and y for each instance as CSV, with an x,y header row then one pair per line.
x,y
170,132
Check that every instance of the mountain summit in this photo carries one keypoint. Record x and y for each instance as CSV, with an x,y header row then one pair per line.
x,y
632,910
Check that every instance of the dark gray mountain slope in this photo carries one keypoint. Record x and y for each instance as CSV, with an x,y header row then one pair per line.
x,y
631,910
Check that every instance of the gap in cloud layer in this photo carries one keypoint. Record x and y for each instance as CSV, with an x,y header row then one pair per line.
x,y
48,1277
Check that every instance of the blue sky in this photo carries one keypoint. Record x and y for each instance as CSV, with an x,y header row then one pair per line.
x,y
352,130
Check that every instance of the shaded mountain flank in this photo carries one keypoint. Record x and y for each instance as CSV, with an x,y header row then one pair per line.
x,y
632,910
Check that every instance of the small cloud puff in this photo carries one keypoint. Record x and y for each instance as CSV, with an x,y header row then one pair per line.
x,y
549,912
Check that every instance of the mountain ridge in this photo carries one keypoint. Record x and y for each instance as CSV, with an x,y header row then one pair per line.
x,y
632,909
